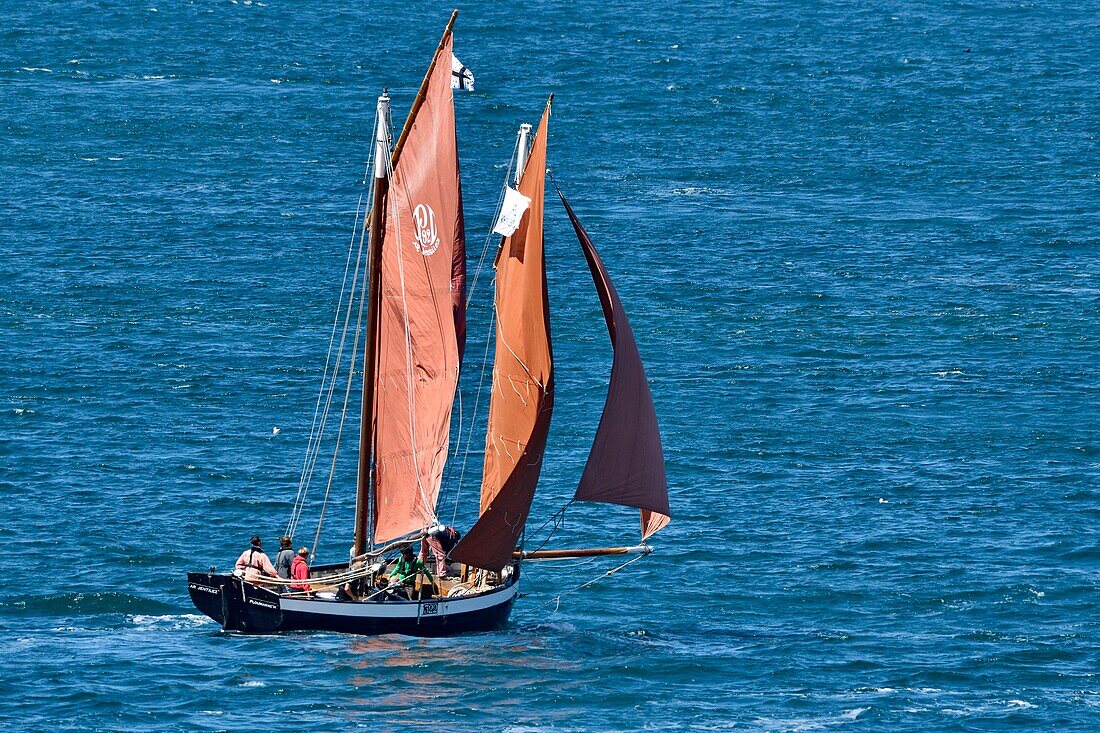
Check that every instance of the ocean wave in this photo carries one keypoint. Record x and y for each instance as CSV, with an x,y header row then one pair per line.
x,y
84,604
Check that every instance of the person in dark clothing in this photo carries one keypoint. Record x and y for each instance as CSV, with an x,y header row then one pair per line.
x,y
285,558
441,540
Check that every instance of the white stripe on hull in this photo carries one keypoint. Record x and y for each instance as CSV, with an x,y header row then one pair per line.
x,y
401,609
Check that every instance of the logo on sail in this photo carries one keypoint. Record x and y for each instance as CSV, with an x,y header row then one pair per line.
x,y
426,240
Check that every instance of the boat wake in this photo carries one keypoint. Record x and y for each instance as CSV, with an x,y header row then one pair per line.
x,y
171,622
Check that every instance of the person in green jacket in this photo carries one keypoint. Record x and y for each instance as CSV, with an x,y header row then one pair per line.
x,y
408,567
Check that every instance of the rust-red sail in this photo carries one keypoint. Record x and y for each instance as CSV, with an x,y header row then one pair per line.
x,y
421,313
626,464
523,381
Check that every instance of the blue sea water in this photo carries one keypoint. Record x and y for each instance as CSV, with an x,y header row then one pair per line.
x,y
859,245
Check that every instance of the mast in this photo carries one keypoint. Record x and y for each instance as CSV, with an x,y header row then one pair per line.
x,y
370,361
523,145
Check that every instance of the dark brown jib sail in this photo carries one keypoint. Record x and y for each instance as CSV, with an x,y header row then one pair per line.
x,y
523,381
626,465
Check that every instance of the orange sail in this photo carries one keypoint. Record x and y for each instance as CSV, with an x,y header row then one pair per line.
x,y
626,465
421,313
523,381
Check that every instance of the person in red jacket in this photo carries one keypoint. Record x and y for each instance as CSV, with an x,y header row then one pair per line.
x,y
299,570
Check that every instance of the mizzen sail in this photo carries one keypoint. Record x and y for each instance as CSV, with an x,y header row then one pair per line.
x,y
421,312
523,381
626,464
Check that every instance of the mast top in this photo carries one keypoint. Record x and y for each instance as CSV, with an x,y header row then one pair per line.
x,y
419,100
382,136
522,144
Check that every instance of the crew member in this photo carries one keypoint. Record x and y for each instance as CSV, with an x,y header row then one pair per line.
x,y
284,558
408,567
254,562
442,540
299,570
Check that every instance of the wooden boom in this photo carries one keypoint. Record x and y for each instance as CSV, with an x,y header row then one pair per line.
x,y
588,552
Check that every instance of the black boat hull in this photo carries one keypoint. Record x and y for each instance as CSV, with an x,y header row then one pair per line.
x,y
247,608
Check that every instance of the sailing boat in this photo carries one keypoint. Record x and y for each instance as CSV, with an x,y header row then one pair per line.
x,y
414,294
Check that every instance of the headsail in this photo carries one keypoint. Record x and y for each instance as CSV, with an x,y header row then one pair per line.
x,y
523,381
421,312
626,465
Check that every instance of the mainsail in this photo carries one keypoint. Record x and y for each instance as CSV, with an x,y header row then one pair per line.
x,y
421,312
523,381
626,464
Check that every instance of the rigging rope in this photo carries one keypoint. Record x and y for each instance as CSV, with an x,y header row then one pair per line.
x,y
359,268
335,373
316,431
556,600
343,412
558,518
469,434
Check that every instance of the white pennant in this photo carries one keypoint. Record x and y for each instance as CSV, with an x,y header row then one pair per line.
x,y
511,211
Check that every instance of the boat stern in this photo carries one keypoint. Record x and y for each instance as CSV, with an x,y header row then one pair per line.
x,y
235,604
208,593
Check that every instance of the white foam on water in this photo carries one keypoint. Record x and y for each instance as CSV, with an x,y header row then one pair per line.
x,y
996,706
170,622
37,68
253,683
798,725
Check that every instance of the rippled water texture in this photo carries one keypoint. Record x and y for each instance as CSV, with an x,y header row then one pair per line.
x,y
859,245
